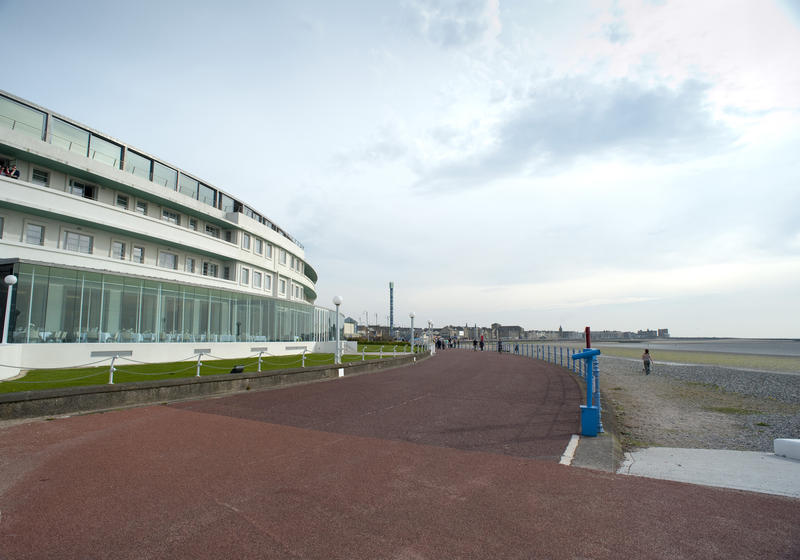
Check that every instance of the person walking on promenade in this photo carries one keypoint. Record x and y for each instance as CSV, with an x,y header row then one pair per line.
x,y
646,360
481,344
475,344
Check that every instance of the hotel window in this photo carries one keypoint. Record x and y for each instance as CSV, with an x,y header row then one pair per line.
x,y
226,273
104,151
137,165
268,251
282,287
229,237
168,260
122,201
188,186
2,220
258,246
118,250
212,231
40,177
206,194
189,265
82,189
137,255
227,204
210,269
141,207
78,242
17,116
69,137
283,256
245,276
193,224
245,242
165,176
257,279
268,282
34,234
171,217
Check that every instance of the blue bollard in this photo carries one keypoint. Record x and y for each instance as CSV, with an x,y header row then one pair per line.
x,y
590,413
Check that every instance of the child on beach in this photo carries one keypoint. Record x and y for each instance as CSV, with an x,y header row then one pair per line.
x,y
646,360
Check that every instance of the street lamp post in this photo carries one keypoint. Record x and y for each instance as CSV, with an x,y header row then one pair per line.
x,y
411,316
337,301
10,280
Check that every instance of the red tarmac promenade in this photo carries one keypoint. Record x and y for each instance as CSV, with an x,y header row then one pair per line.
x,y
454,457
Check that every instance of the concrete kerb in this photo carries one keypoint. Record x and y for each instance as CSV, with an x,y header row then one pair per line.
x,y
604,451
96,398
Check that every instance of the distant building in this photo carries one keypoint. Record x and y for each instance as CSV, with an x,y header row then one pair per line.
x,y
350,327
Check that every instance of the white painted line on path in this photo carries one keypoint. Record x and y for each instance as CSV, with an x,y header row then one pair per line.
x,y
569,452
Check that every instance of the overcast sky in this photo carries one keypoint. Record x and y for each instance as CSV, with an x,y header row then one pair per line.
x,y
618,164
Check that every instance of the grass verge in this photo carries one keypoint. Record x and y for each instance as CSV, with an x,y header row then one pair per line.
x,y
41,379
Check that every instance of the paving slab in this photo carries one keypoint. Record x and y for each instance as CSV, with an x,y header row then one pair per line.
x,y
743,470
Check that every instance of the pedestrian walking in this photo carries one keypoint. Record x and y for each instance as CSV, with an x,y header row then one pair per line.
x,y
475,344
647,360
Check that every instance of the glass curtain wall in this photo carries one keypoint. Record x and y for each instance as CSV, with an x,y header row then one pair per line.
x,y
60,305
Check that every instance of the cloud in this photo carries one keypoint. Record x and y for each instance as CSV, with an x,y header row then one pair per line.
x,y
570,118
455,23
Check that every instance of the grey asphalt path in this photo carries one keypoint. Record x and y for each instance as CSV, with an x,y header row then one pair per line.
x,y
207,479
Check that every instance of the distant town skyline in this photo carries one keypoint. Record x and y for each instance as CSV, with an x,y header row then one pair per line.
x,y
617,164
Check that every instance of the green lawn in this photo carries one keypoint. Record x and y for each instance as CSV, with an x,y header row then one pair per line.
x,y
126,372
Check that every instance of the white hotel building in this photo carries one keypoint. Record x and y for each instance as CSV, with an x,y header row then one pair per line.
x,y
117,250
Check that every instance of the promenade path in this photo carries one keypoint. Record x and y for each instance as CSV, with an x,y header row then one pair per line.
x,y
454,457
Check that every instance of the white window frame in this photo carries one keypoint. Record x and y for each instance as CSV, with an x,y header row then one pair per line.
x,y
140,258
189,264
122,255
70,237
257,279
122,197
162,255
282,286
258,246
42,230
141,207
46,182
170,216
268,282
283,257
245,276
268,251
192,224
245,241
212,231
209,267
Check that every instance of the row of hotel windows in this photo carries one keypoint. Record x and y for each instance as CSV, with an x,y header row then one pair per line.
x,y
82,243
23,118
259,246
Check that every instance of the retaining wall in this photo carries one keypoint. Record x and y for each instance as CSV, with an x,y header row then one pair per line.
x,y
53,402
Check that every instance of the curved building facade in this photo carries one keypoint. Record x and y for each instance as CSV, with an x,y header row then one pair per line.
x,y
112,245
